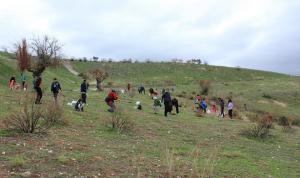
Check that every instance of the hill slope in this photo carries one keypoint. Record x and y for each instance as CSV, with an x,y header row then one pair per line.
x,y
260,91
177,146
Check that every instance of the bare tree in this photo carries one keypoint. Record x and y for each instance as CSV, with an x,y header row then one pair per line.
x,y
46,52
100,75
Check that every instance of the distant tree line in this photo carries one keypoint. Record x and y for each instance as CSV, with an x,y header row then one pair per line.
x,y
130,60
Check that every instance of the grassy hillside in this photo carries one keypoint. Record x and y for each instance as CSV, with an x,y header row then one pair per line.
x,y
260,91
178,73
178,146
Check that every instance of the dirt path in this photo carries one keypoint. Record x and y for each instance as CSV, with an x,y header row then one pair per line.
x,y
70,67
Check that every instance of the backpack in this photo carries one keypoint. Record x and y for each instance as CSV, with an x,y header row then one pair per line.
x,y
55,87
157,102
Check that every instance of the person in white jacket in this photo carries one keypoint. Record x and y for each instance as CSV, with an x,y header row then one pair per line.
x,y
230,108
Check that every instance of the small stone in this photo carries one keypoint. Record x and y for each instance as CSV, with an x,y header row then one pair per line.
x,y
26,174
3,152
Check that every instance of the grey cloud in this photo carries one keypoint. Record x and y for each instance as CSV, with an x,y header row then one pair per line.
x,y
256,34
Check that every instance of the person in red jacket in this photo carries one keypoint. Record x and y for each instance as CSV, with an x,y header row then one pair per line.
x,y
110,100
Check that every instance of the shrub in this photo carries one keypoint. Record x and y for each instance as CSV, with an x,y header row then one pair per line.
x,y
256,131
296,121
84,76
237,115
62,159
17,161
180,95
285,122
267,96
205,86
261,129
110,84
266,121
32,117
121,122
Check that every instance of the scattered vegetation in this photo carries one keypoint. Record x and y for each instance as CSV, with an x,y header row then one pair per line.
x,y
205,86
100,75
17,161
296,121
33,118
267,96
121,122
261,129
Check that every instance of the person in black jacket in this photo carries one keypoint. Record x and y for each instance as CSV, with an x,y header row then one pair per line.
x,y
83,89
39,92
222,105
175,104
141,89
166,99
55,88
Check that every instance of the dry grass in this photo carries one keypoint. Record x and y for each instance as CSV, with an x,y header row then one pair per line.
x,y
32,118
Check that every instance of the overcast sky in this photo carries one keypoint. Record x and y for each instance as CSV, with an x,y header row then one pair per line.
x,y
260,34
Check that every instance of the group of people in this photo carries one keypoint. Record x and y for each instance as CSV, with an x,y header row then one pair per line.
x,y
200,103
202,106
37,82
13,84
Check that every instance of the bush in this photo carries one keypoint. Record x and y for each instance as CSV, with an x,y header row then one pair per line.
x,y
261,129
110,84
205,86
257,131
84,76
285,122
121,122
237,115
267,96
32,117
296,121
17,161
266,121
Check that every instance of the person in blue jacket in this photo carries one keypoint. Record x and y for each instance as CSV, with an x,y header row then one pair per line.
x,y
203,105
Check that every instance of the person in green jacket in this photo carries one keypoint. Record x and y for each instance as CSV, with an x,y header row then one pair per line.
x,y
23,80
156,104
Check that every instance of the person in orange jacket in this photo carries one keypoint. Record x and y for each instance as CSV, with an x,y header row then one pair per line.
x,y
110,100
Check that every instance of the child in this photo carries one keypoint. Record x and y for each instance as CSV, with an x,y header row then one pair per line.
x,y
79,105
214,108
156,104
12,82
138,105
175,104
203,105
197,102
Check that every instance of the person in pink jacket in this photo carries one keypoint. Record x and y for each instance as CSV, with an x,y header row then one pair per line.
x,y
12,82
